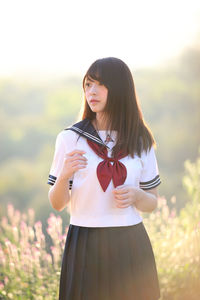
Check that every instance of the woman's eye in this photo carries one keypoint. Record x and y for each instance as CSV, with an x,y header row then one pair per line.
x,y
89,84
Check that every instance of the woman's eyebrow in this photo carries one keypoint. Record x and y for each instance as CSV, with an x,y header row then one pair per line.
x,y
89,80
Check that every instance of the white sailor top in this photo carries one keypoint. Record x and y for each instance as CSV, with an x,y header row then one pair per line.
x,y
89,205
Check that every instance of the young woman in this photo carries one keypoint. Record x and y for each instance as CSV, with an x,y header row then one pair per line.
x,y
105,170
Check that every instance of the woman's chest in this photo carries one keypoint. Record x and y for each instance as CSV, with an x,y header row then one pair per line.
x,y
133,165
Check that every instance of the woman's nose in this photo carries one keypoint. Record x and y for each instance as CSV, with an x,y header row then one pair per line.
x,y
93,89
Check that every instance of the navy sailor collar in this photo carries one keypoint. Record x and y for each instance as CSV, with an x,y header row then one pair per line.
x,y
85,128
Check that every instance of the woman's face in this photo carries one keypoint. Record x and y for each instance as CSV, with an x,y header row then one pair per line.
x,y
96,95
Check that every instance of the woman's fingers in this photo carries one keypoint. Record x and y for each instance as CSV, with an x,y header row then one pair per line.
x,y
79,160
76,151
120,191
122,196
123,200
123,204
78,163
76,155
74,161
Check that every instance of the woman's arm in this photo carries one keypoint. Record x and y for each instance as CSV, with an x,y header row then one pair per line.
x,y
147,201
59,194
126,195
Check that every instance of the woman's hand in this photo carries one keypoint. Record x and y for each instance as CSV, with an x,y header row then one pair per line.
x,y
126,195
73,162
145,201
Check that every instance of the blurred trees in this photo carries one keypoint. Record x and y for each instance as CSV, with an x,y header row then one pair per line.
x,y
33,113
170,98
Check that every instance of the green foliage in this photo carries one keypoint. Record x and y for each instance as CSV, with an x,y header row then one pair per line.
x,y
191,180
170,102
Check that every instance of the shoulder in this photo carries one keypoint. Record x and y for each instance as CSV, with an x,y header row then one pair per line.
x,y
148,155
70,134
67,134
149,151
66,137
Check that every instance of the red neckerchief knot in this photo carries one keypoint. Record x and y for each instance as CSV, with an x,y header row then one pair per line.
x,y
105,170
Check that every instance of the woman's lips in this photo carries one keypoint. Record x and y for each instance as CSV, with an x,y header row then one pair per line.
x,y
94,101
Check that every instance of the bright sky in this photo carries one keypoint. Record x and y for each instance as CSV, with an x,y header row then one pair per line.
x,y
56,37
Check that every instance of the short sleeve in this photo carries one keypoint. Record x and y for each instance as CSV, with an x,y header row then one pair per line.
x,y
58,158
150,177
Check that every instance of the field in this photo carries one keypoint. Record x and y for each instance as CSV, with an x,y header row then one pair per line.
x,y
30,255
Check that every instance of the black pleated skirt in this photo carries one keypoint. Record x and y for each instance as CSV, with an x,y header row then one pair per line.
x,y
108,263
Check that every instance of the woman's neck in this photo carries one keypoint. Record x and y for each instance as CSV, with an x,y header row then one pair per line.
x,y
100,122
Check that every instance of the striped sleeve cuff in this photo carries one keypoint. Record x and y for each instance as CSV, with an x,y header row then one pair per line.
x,y
52,180
70,184
147,185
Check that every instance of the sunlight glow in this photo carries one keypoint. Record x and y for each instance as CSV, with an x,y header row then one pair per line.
x,y
62,37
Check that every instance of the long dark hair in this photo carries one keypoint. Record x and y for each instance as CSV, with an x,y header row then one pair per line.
x,y
122,108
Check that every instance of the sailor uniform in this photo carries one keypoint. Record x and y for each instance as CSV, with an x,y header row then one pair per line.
x,y
108,254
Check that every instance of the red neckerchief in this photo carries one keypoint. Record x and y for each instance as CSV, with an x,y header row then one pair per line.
x,y
105,170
